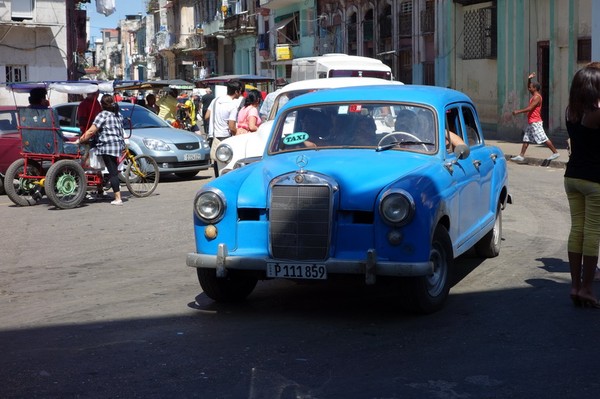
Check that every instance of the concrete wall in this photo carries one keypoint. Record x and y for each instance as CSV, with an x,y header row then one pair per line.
x,y
39,44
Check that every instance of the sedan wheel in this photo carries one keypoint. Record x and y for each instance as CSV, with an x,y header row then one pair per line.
x,y
429,293
233,288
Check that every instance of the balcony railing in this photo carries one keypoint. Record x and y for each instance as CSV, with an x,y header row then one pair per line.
x,y
164,40
213,27
277,4
240,24
195,41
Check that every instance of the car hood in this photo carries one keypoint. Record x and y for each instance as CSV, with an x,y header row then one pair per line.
x,y
362,174
166,134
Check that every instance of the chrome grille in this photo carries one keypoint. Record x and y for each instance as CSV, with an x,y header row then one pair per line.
x,y
300,217
188,146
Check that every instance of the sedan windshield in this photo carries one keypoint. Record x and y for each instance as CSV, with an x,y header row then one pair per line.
x,y
137,117
377,126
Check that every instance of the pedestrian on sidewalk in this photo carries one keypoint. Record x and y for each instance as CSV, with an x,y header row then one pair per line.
x,y
582,183
534,132
222,117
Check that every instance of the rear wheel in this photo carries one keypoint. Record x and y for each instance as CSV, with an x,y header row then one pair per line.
x,y
489,245
428,294
142,176
66,184
233,288
23,191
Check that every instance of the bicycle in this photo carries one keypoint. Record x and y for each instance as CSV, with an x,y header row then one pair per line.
x,y
66,178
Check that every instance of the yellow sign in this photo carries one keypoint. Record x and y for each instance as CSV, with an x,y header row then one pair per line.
x,y
283,52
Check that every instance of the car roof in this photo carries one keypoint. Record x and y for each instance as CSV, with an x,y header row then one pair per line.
x,y
330,83
437,97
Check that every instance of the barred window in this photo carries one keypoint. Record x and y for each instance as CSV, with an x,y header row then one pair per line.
x,y
16,73
480,34
584,49
405,18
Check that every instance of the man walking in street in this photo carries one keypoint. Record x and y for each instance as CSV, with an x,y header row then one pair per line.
x,y
222,116
206,99
534,132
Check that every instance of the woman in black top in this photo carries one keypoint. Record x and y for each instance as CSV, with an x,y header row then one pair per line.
x,y
582,182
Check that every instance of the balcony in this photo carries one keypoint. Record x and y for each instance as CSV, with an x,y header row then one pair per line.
x,y
277,4
164,40
240,24
152,6
214,27
194,42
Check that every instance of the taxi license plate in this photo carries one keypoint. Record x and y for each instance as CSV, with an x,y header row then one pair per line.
x,y
192,157
297,270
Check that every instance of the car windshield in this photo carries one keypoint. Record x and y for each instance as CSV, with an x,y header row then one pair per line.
x,y
140,117
8,121
380,127
283,98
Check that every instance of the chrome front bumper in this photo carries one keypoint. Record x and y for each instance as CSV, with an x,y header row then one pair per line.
x,y
369,267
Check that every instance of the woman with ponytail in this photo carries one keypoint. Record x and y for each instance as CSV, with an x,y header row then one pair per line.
x,y
108,130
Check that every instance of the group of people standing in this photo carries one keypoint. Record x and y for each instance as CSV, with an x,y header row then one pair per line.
x,y
231,114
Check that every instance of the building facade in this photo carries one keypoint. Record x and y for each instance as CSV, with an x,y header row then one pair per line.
x,y
35,43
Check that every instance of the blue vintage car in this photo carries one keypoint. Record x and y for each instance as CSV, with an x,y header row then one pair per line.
x,y
386,183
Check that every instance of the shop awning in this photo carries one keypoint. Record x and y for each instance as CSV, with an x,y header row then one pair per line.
x,y
279,25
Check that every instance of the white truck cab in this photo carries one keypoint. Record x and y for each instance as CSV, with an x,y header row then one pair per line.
x,y
338,65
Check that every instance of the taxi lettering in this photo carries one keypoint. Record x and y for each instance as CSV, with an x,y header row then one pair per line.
x,y
295,138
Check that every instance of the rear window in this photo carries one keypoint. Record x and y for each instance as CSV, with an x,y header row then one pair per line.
x,y
8,121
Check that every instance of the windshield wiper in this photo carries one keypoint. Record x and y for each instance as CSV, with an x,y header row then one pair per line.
x,y
396,143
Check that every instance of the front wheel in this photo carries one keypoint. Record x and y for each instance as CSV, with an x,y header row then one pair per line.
x,y
142,176
23,191
428,294
235,287
66,184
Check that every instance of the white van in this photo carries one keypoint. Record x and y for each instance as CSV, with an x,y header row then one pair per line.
x,y
336,65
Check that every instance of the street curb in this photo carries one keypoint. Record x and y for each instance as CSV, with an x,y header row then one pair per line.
x,y
538,162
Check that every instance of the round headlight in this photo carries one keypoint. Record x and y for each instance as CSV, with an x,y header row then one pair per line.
x,y
397,208
209,206
224,153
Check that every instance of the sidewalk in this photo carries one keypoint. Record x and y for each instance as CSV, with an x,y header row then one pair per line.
x,y
536,154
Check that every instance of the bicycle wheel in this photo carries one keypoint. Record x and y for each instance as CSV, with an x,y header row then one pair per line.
x,y
66,184
20,190
142,176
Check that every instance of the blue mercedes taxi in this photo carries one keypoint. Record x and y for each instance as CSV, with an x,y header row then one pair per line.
x,y
385,184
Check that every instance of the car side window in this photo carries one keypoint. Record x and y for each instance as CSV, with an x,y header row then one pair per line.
x,y
65,116
452,126
472,131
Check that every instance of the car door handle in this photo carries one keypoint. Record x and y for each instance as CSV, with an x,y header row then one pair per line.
x,y
494,157
477,164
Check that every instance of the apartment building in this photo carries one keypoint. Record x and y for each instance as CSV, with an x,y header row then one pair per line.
x,y
36,43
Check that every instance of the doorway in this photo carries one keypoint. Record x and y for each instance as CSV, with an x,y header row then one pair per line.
x,y
543,77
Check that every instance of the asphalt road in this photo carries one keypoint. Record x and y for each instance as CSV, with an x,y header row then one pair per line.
x,y
96,302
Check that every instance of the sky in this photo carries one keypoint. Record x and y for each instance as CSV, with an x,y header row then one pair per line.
x,y
123,7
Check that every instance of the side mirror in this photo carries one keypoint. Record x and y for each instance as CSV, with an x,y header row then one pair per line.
x,y
462,151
